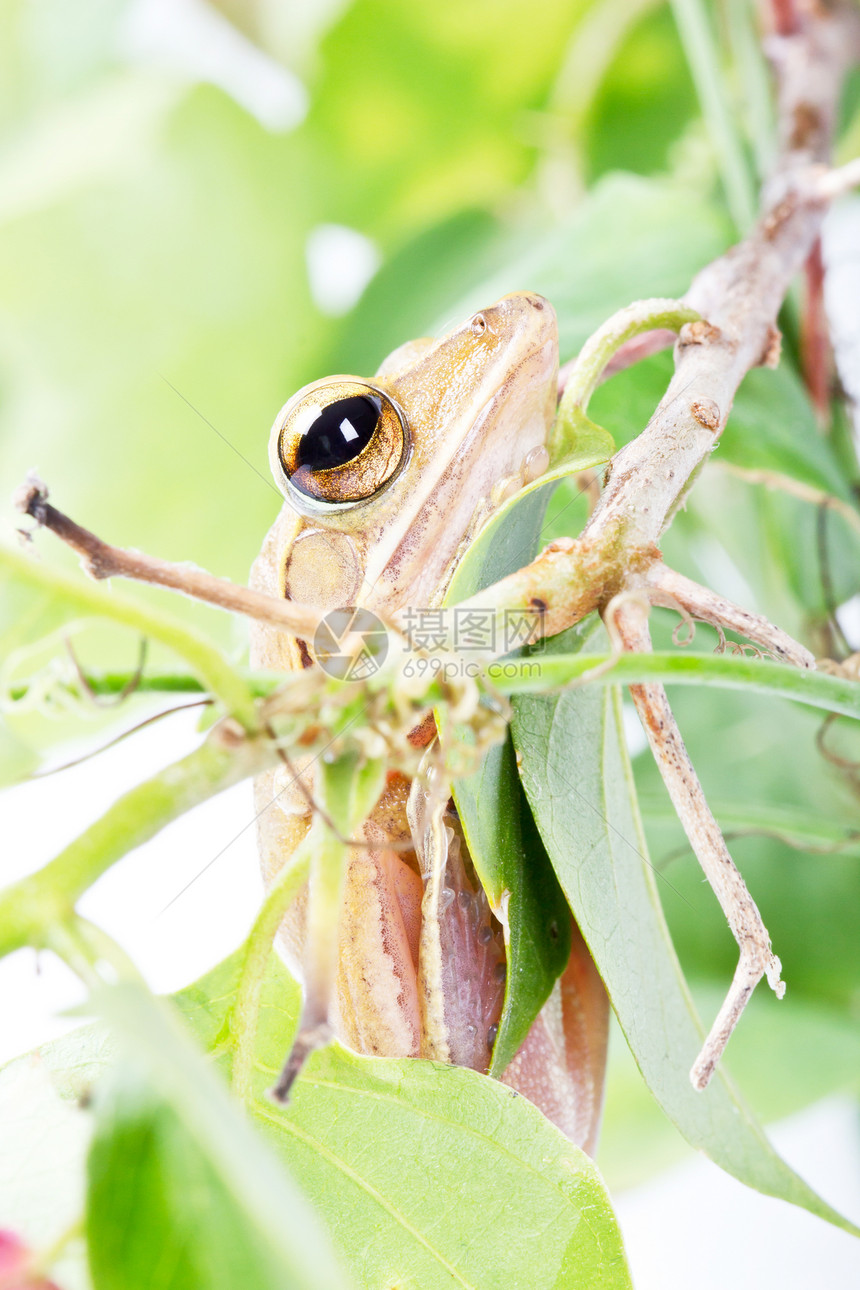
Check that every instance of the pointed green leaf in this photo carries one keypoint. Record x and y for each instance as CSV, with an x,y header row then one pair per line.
x,y
506,850
435,1176
509,857
578,780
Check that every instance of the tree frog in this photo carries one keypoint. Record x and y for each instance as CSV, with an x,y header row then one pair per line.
x,y
386,481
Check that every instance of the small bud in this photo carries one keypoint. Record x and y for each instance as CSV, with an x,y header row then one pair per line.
x,y
707,413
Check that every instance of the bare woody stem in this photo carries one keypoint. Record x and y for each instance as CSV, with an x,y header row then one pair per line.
x,y
703,832
673,590
101,560
740,295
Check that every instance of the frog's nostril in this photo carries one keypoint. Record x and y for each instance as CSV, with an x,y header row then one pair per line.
x,y
538,302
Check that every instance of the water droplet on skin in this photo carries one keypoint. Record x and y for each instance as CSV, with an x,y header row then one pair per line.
x,y
471,1031
491,1036
501,971
446,897
536,463
485,935
464,900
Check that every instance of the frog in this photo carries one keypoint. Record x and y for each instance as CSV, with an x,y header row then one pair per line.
x,y
386,481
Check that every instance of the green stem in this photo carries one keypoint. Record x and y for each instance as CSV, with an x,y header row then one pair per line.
x,y
587,372
43,1262
700,48
347,791
105,949
632,320
204,659
45,900
110,684
541,673
68,943
246,1010
327,875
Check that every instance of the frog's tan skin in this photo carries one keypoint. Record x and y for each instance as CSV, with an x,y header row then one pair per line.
x,y
478,405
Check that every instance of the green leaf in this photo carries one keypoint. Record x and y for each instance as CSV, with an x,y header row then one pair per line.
x,y
435,262
763,769
644,103
410,1161
429,119
815,1050
578,781
159,1214
176,1169
206,1004
509,857
426,1175
503,842
771,425
436,1176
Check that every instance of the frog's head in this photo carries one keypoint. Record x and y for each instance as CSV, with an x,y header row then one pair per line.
x,y
385,479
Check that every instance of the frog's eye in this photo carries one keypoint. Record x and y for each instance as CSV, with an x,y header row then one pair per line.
x,y
338,442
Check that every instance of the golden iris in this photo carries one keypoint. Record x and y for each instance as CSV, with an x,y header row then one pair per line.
x,y
338,441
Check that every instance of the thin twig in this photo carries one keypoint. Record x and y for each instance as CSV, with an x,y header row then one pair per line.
x,y
118,739
672,589
794,487
131,685
756,956
101,560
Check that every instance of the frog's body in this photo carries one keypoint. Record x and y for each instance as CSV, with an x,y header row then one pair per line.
x,y
475,408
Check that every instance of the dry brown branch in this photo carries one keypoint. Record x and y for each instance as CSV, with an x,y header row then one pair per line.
x,y
706,840
101,560
740,295
672,590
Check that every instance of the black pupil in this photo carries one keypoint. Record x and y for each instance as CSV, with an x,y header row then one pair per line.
x,y
340,432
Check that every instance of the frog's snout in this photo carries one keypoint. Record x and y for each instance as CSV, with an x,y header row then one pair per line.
x,y
526,300
523,314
